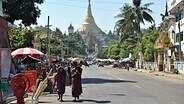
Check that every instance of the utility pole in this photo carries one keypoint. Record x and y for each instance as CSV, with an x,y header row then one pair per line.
x,y
48,42
179,50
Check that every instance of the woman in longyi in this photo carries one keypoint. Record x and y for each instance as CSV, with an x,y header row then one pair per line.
x,y
60,80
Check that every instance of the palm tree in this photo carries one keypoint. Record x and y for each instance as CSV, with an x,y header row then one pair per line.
x,y
124,25
141,13
131,17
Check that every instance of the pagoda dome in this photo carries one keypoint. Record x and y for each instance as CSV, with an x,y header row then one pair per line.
x,y
71,27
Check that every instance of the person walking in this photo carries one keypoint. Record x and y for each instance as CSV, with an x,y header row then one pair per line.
x,y
60,79
68,72
76,81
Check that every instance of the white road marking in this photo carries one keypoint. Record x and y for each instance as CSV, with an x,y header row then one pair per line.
x,y
137,86
122,79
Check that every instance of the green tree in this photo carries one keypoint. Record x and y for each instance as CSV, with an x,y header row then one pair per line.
x,y
103,53
25,10
128,27
131,17
124,26
21,37
114,51
149,42
74,45
141,14
111,38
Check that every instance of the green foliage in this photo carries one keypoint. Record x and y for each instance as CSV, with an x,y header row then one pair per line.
x,y
131,16
43,41
114,51
74,45
111,38
135,43
102,53
128,28
124,25
21,37
149,41
25,10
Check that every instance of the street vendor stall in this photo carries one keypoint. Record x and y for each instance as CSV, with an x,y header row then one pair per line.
x,y
29,57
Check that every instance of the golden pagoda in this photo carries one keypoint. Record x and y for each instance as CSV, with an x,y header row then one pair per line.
x,y
89,24
89,30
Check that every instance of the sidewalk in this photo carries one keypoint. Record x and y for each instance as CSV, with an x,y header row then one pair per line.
x,y
47,98
162,73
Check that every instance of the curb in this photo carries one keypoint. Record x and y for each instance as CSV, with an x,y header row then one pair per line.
x,y
165,74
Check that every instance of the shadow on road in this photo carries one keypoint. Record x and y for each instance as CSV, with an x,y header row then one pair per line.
x,y
101,81
118,94
94,101
46,102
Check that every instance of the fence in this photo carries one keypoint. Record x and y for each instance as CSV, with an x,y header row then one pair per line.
x,y
153,66
150,65
179,66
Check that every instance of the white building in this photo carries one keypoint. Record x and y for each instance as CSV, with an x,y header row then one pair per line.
x,y
176,26
176,8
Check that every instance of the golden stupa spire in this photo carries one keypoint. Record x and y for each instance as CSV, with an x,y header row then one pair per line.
x,y
89,24
89,13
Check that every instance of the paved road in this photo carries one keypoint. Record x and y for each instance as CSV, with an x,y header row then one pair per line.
x,y
118,86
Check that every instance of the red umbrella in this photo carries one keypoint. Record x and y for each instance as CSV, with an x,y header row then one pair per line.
x,y
26,51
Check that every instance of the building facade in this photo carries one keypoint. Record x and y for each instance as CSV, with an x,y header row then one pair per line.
x,y
176,25
175,32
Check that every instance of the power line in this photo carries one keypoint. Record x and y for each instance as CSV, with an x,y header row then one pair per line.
x,y
102,2
74,6
79,6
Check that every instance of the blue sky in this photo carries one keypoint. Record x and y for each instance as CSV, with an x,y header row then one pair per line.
x,y
64,12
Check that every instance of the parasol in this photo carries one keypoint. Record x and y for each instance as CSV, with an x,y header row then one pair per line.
x,y
79,61
29,59
26,51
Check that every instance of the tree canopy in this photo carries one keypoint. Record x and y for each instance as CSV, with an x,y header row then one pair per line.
x,y
25,10
21,37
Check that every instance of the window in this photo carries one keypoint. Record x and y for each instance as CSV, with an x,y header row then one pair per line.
x,y
181,36
177,16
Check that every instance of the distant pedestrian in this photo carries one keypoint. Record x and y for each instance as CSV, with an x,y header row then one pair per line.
x,y
60,79
68,72
76,81
127,66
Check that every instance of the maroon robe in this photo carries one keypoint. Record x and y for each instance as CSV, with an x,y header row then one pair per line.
x,y
61,80
76,82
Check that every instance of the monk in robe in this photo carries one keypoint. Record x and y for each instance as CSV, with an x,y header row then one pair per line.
x,y
60,79
76,81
